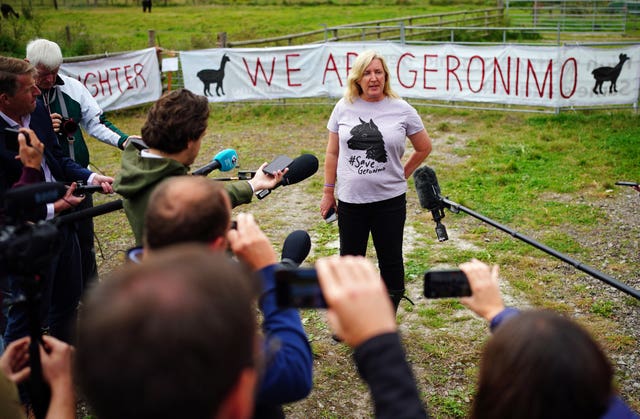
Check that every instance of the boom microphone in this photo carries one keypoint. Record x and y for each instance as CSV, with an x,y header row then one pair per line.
x,y
301,168
428,191
295,248
225,160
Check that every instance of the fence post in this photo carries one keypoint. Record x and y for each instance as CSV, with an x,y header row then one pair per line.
x,y
222,39
152,38
67,32
402,39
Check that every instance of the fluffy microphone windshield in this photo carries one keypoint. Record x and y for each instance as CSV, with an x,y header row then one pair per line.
x,y
301,168
427,188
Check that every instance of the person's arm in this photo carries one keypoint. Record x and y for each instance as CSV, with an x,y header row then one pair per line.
x,y
422,148
56,359
289,363
241,192
330,174
361,313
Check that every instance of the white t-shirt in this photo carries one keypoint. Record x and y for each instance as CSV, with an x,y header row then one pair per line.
x,y
372,138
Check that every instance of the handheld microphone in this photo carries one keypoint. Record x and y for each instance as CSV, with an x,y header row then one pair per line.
x,y
295,248
302,167
225,160
428,191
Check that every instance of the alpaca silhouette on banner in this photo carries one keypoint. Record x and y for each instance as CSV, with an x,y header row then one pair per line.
x,y
610,74
209,76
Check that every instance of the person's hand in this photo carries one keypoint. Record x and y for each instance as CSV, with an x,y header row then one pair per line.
x,y
56,121
129,138
30,156
262,180
14,362
485,299
56,358
327,202
104,181
69,200
359,304
250,244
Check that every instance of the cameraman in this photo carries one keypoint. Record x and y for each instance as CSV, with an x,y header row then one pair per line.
x,y
72,106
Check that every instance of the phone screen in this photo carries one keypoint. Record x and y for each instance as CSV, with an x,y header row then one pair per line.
x,y
279,163
446,283
298,288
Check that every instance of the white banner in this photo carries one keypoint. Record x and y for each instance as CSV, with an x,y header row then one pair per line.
x,y
562,76
120,81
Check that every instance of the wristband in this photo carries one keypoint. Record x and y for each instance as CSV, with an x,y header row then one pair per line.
x,y
329,185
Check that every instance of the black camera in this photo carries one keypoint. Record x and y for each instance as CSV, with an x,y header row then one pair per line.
x,y
298,288
446,283
68,126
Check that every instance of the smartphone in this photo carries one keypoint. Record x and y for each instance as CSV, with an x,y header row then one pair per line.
x,y
446,283
279,163
331,215
298,288
627,183
11,139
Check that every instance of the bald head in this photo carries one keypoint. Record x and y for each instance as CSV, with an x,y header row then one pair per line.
x,y
186,209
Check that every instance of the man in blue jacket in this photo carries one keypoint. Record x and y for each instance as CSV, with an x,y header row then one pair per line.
x,y
197,209
62,282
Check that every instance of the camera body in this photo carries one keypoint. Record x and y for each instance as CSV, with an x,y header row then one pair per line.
x,y
68,127
446,283
298,288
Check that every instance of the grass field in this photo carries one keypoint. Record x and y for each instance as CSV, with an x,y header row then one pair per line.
x,y
550,177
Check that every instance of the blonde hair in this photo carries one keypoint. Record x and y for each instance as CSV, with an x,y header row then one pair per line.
x,y
362,62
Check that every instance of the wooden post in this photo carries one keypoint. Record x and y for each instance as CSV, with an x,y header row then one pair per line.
x,y
222,39
152,38
67,32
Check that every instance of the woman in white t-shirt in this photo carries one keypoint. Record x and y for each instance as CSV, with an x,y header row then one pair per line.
x,y
368,129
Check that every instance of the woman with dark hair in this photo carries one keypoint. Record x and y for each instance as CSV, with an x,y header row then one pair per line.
x,y
368,131
538,364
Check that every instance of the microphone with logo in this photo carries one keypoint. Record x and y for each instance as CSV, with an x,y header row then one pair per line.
x,y
301,168
428,191
225,160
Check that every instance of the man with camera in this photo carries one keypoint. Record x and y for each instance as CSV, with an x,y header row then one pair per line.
x,y
185,209
61,284
72,106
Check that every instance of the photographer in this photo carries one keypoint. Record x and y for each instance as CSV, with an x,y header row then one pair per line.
x,y
576,378
186,209
72,106
362,315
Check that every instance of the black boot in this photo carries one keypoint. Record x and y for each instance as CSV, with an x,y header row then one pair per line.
x,y
396,296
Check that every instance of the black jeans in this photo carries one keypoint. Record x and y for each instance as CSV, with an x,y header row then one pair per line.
x,y
385,221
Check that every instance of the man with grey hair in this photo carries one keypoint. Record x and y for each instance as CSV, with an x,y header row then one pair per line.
x,y
71,105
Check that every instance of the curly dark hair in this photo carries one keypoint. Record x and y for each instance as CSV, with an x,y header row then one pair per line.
x,y
176,118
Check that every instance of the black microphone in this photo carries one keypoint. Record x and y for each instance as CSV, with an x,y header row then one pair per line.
x,y
302,167
295,248
225,160
428,191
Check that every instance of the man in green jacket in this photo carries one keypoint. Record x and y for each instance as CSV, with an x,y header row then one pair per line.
x,y
173,131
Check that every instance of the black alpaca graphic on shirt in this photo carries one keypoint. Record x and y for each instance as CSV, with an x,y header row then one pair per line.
x,y
366,136
602,74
